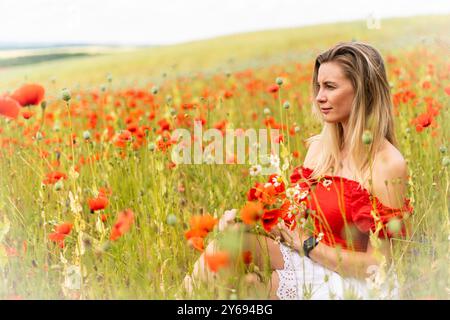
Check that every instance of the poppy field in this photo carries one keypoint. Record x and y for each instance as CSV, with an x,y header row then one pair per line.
x,y
93,205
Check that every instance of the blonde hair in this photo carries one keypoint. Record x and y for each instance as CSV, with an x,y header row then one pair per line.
x,y
371,110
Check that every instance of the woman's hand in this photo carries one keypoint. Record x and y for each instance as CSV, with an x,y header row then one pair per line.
x,y
228,219
293,238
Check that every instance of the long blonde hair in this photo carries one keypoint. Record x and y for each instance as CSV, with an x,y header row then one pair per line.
x,y
371,110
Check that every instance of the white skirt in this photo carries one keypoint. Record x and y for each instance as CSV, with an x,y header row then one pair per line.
x,y
303,278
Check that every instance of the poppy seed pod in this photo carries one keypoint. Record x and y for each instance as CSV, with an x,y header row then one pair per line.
x,y
86,135
172,219
367,137
445,161
65,95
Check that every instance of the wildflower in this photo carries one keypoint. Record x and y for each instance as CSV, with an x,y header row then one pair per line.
x,y
273,88
247,257
326,183
204,222
255,170
270,218
274,160
197,243
124,222
217,260
319,236
9,107
291,193
29,94
251,212
99,203
61,231
54,177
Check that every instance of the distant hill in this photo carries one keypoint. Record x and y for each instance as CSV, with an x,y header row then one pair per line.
x,y
228,53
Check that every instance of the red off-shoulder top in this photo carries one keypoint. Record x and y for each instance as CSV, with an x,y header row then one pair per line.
x,y
345,212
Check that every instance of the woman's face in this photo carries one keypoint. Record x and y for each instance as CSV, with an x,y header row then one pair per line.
x,y
335,95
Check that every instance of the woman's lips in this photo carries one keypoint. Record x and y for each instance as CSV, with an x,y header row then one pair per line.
x,y
325,110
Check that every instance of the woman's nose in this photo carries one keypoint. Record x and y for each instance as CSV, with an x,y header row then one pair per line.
x,y
321,97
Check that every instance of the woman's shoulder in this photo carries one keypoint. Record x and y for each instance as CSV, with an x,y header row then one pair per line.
x,y
390,175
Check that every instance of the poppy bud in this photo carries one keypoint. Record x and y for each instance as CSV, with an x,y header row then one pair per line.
x,y
39,136
151,146
109,77
86,135
443,149
286,105
279,81
59,185
65,94
172,219
43,105
155,90
446,161
367,137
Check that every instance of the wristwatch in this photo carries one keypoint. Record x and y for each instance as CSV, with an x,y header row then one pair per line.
x,y
309,244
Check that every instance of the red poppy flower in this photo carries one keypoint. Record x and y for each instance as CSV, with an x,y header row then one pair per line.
x,y
270,218
217,260
27,114
273,88
251,212
9,107
99,203
64,228
197,243
124,222
247,257
54,177
61,232
29,94
204,222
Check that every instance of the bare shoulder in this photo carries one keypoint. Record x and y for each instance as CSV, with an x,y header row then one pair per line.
x,y
313,144
390,175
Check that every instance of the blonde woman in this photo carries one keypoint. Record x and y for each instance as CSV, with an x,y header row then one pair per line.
x,y
353,185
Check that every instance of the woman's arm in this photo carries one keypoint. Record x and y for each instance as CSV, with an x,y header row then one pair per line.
x,y
345,262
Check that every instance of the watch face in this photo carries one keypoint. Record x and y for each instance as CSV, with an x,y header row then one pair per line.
x,y
311,242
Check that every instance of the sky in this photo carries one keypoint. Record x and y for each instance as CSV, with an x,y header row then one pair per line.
x,y
140,22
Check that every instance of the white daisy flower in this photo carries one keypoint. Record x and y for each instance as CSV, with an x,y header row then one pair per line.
x,y
302,222
326,183
291,193
274,160
320,236
276,181
255,170
304,194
